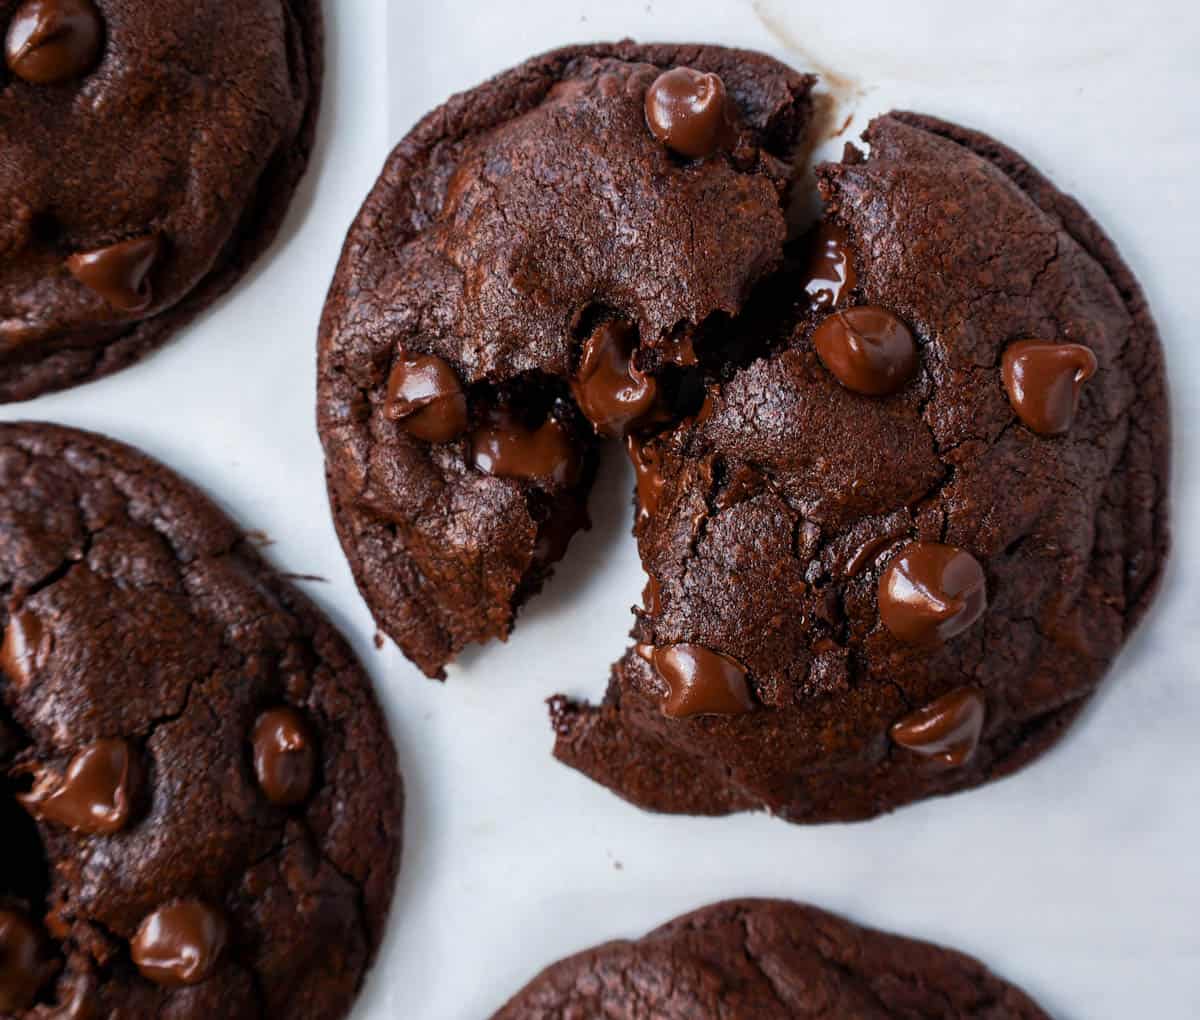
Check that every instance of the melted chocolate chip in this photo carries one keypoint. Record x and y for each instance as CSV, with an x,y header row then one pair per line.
x,y
867,553
285,756
687,111
180,943
867,349
120,273
77,1000
647,466
611,391
947,729
701,682
1044,380
96,794
508,449
829,275
22,969
52,41
425,395
652,596
931,593
26,645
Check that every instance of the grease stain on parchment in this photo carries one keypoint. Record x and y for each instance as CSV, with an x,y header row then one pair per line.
x,y
838,93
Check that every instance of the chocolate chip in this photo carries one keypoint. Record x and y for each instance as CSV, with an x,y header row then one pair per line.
x,y
425,395
1044,381
23,971
867,349
931,593
120,273
180,943
26,646
647,467
508,449
701,682
652,596
947,729
52,41
829,274
611,391
95,795
687,111
285,756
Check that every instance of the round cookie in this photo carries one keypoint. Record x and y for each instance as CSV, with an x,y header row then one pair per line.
x,y
536,267
769,959
148,152
894,556
199,798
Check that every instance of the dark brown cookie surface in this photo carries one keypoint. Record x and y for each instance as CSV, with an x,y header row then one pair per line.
x,y
919,582
769,959
538,245
148,152
198,794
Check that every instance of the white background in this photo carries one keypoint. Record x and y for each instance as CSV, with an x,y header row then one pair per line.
x,y
1079,878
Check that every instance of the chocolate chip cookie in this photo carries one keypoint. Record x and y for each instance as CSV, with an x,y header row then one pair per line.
x,y
769,959
534,270
895,554
148,152
199,800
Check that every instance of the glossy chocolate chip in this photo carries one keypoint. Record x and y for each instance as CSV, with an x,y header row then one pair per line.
x,y
180,943
647,467
507,449
51,41
947,729
867,349
26,645
829,274
611,391
23,971
285,756
652,596
687,111
426,397
931,593
1044,380
120,273
701,682
95,795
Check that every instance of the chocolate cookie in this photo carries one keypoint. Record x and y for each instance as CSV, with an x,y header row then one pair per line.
x,y
199,799
894,556
768,959
534,269
148,152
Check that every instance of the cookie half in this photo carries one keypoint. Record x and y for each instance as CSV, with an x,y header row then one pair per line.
x,y
534,268
769,959
200,799
894,556
148,152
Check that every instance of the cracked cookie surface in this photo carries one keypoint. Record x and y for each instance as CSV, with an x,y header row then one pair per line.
x,y
769,959
512,225
148,153
198,792
788,526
